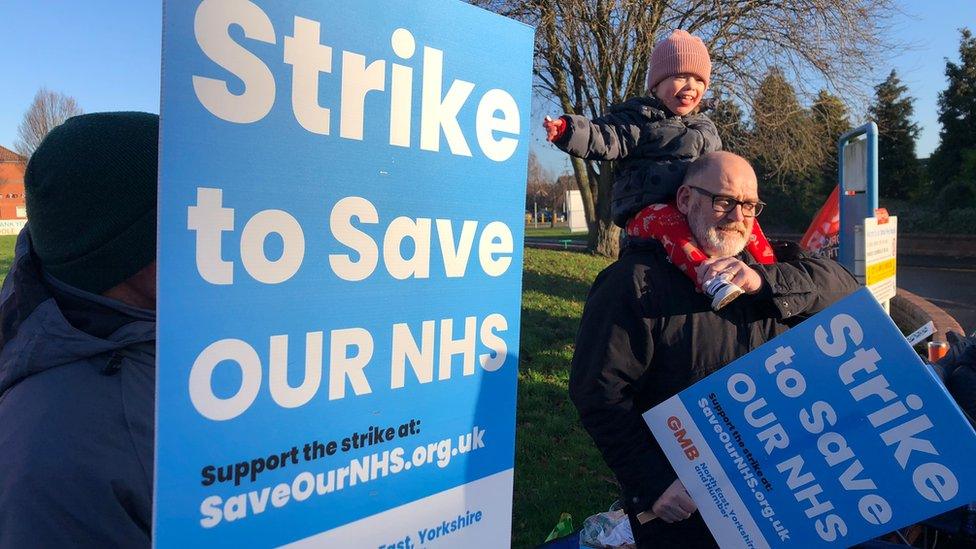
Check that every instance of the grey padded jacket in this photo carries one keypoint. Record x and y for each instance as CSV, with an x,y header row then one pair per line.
x,y
651,147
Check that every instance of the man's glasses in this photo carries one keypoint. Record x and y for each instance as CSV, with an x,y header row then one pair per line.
x,y
725,204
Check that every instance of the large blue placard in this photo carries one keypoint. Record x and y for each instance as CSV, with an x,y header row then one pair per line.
x,y
340,251
831,434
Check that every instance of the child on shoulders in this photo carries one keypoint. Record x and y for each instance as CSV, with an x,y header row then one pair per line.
x,y
653,140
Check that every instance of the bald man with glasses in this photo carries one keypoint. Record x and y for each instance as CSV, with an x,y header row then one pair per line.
x,y
647,333
725,204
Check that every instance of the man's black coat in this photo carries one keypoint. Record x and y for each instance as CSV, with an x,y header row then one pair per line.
x,y
646,334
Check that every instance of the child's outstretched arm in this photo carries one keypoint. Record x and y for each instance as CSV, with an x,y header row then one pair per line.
x,y
609,137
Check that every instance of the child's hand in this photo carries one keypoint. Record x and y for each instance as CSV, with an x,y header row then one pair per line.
x,y
554,128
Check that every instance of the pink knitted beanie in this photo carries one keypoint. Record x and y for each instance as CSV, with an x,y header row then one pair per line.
x,y
679,53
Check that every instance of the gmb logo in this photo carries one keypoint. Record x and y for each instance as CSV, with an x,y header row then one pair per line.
x,y
680,435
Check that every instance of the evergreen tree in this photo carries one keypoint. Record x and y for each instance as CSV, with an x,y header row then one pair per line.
x,y
784,141
830,116
898,170
727,116
787,151
957,115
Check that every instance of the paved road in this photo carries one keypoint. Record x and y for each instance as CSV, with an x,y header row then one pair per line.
x,y
950,285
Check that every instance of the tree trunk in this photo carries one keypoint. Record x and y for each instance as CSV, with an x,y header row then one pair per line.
x,y
605,240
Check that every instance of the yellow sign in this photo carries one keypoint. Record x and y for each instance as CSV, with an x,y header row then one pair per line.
x,y
879,271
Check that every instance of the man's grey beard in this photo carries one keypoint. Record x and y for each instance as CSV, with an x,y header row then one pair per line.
x,y
713,242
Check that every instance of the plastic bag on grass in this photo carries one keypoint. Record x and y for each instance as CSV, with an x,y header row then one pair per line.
x,y
609,530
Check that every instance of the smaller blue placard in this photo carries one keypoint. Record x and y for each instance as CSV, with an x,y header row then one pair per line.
x,y
831,434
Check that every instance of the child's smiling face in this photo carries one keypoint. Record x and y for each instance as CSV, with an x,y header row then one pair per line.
x,y
680,93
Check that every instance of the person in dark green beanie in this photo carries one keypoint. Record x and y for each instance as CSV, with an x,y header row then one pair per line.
x,y
78,343
91,200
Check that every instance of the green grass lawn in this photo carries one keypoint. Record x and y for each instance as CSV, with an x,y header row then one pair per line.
x,y
557,468
6,254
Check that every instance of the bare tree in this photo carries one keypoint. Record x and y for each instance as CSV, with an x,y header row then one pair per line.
x,y
539,188
564,183
48,110
590,54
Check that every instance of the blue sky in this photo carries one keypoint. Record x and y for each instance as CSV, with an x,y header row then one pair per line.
x,y
106,54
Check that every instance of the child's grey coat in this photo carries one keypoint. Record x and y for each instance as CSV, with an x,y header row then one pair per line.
x,y
652,147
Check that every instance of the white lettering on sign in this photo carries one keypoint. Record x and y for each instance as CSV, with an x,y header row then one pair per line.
x,y
210,26
209,219
837,452
497,121
899,418
349,356
308,59
422,359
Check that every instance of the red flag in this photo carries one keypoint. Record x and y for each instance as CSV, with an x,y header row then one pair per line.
x,y
823,236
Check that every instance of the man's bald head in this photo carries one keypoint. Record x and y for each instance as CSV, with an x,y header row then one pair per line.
x,y
711,168
720,234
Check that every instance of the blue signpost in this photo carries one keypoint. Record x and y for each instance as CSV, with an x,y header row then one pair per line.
x,y
831,434
340,250
857,167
